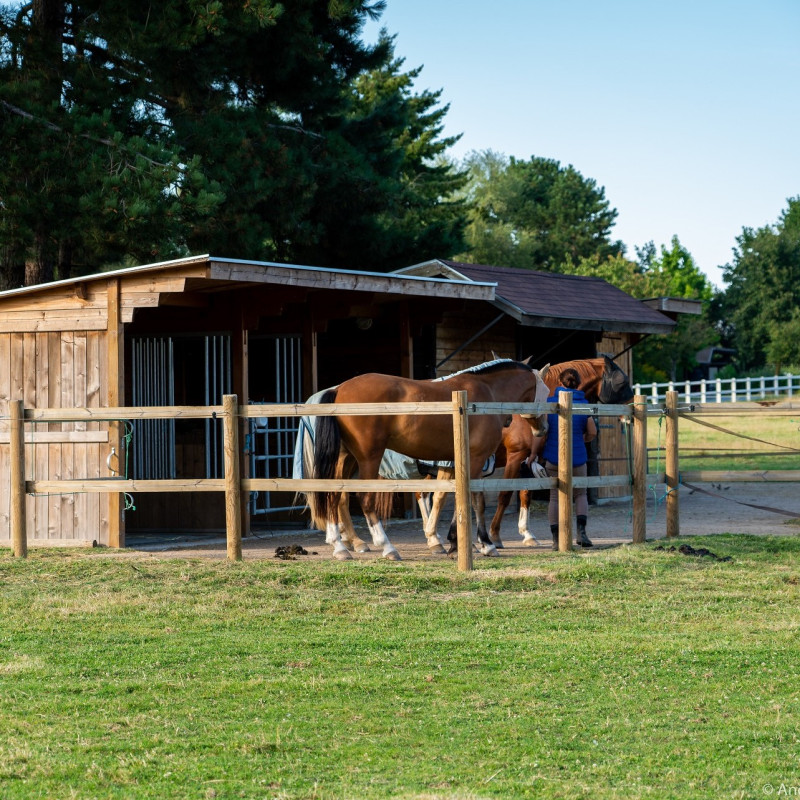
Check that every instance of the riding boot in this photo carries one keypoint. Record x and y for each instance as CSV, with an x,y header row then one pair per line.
x,y
583,539
554,531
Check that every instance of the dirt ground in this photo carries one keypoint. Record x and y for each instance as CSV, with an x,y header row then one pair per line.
x,y
722,511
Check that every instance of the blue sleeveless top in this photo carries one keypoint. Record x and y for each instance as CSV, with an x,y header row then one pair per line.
x,y
579,424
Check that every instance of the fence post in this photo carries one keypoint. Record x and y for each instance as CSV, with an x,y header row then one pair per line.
x,y
233,515
688,393
763,387
19,534
671,459
748,389
703,396
461,468
733,390
789,385
565,471
639,469
655,394
718,389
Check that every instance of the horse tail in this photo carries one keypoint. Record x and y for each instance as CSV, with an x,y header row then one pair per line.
x,y
327,443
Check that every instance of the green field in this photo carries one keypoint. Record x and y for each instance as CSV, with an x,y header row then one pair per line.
x,y
624,673
704,448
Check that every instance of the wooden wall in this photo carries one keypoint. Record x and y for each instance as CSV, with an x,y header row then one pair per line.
x,y
57,369
457,328
613,435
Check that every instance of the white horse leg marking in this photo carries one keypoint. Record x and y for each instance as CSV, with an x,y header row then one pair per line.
x,y
435,544
333,537
380,539
347,530
528,539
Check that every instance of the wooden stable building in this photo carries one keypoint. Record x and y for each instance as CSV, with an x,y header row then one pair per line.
x,y
189,331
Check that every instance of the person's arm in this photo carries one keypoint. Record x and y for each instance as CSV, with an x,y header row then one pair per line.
x,y
591,430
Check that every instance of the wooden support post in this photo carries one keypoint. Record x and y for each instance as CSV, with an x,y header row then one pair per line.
x,y
463,505
673,475
565,471
639,469
115,391
17,517
233,508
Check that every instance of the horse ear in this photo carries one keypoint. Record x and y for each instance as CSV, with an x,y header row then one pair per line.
x,y
609,363
495,356
544,370
527,361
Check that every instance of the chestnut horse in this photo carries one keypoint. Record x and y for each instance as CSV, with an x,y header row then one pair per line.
x,y
345,443
602,381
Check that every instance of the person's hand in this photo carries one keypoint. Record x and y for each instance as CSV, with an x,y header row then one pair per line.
x,y
538,470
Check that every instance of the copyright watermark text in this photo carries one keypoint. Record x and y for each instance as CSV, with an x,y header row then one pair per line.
x,y
781,790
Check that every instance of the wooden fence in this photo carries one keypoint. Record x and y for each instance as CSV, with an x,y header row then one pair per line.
x,y
233,485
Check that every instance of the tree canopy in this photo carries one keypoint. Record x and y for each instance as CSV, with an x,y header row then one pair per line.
x,y
253,129
759,307
535,214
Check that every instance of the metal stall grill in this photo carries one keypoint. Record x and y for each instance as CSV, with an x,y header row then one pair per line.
x,y
204,364
153,384
271,439
218,383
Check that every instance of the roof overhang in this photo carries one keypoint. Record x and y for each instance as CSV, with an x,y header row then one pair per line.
x,y
211,273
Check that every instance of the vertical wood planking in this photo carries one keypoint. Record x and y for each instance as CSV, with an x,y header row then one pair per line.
x,y
67,527
565,471
93,450
17,479
82,500
5,396
41,462
114,393
55,450
462,465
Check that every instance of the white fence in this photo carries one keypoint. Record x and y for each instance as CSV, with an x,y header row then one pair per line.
x,y
723,390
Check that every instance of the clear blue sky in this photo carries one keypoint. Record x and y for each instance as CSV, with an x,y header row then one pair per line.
x,y
687,112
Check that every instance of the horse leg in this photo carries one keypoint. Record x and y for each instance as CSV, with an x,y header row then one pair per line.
x,y
485,545
503,499
435,545
347,530
528,538
379,537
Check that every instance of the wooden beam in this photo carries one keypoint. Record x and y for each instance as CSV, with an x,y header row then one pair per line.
x,y
115,355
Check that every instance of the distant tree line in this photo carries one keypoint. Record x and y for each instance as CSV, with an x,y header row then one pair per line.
x,y
132,133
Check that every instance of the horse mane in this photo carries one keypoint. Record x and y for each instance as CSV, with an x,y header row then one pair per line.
x,y
487,367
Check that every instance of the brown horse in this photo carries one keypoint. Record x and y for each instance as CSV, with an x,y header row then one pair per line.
x,y
344,444
602,381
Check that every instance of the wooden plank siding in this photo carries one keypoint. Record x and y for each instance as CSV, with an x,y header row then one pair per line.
x,y
55,369
457,328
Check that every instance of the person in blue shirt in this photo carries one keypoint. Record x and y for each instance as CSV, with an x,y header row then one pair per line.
x,y
584,430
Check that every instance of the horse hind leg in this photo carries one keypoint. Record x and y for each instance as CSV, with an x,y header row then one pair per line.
x,y
379,537
528,537
485,545
347,531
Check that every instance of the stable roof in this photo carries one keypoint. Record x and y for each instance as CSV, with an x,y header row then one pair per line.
x,y
552,300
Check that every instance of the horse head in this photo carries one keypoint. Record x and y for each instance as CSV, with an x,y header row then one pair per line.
x,y
538,422
615,386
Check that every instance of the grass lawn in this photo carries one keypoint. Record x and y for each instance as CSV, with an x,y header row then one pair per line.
x,y
624,673
704,448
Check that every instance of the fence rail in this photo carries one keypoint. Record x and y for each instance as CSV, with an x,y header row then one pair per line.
x,y
233,484
723,390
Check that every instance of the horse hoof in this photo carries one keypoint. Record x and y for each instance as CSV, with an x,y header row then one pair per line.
x,y
342,555
498,544
437,549
529,542
363,549
392,555
490,551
